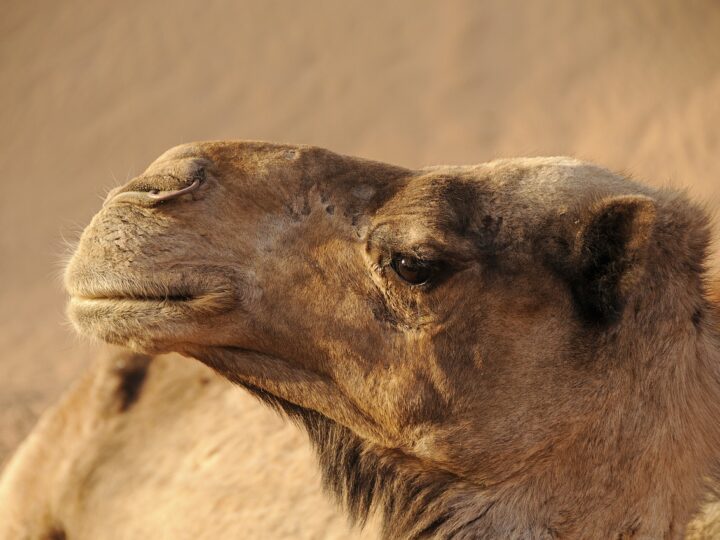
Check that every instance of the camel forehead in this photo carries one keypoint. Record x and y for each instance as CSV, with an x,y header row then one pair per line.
x,y
238,148
245,154
279,162
540,174
525,188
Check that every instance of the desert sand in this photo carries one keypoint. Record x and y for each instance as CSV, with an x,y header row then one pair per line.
x,y
92,92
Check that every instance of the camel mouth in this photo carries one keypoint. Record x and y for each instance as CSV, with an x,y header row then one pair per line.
x,y
109,287
154,295
181,285
159,307
116,296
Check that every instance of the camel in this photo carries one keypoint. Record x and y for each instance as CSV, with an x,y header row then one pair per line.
x,y
525,348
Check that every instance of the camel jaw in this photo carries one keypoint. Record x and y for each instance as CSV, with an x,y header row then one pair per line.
x,y
286,382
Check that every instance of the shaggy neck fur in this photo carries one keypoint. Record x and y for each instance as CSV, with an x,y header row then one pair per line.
x,y
652,496
415,503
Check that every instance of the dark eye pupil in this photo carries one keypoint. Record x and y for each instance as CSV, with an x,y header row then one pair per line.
x,y
410,269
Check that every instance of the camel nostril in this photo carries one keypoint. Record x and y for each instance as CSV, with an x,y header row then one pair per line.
x,y
167,195
154,195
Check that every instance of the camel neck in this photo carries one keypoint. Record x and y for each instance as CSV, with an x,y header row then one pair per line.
x,y
635,481
626,475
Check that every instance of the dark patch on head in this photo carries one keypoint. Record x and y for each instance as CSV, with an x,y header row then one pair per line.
x,y
463,201
488,232
131,372
330,209
470,215
414,504
486,240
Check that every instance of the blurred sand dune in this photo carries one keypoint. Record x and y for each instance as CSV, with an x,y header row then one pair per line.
x,y
93,91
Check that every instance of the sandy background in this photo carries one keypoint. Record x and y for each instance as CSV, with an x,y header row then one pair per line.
x,y
91,92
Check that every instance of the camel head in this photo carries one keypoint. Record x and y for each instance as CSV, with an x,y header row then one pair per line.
x,y
526,330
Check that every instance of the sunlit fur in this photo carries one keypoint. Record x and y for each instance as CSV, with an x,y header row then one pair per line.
x,y
559,378
144,448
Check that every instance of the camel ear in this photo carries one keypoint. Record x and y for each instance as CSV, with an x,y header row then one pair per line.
x,y
610,254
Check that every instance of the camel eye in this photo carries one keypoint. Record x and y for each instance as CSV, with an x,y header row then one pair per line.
x,y
410,269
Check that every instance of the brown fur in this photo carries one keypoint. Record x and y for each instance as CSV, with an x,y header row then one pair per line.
x,y
558,377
